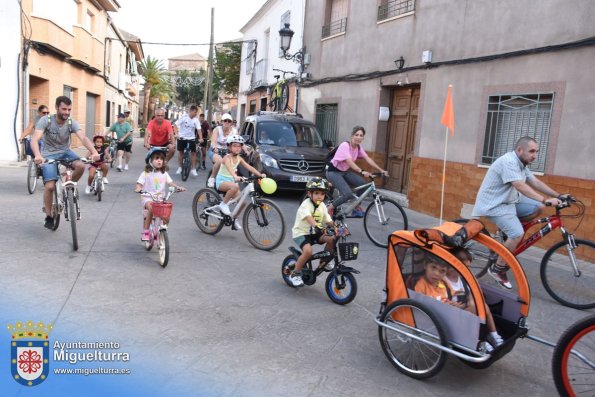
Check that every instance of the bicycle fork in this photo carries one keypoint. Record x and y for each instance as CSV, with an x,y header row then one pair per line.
x,y
570,247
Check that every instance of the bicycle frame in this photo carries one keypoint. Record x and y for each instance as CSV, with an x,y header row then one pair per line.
x,y
247,194
370,188
552,222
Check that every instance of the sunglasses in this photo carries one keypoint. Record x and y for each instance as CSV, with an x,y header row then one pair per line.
x,y
45,112
227,121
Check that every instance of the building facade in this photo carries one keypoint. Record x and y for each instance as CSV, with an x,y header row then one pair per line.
x,y
398,57
261,54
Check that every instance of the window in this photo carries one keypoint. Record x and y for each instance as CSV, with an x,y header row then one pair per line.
x,y
90,21
250,49
326,121
285,18
108,113
393,8
68,91
252,106
513,116
336,18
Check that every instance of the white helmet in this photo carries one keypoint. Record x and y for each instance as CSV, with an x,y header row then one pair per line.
x,y
226,116
235,139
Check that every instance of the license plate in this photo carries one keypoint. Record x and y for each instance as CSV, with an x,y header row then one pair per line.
x,y
300,178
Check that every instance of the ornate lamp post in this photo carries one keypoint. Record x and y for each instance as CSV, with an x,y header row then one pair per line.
x,y
285,36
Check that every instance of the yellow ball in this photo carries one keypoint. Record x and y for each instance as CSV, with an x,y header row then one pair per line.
x,y
268,185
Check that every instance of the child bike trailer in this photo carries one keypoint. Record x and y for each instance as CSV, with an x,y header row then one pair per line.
x,y
417,331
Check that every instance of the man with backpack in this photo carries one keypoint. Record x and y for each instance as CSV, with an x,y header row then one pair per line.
x,y
56,131
343,172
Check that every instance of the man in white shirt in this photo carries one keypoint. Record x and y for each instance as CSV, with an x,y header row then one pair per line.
x,y
188,126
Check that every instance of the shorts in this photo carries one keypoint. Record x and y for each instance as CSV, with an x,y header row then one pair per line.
x,y
222,178
527,206
125,146
28,150
50,171
96,165
306,239
203,143
182,145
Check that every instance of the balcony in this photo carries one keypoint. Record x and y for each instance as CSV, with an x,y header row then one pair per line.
x,y
259,74
395,8
52,36
334,28
88,51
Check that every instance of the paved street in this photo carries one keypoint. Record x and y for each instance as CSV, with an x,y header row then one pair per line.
x,y
219,320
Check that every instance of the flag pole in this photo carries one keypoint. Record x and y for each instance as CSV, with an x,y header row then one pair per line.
x,y
443,176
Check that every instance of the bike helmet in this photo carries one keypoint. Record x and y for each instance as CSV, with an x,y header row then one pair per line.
x,y
317,184
151,152
96,137
235,139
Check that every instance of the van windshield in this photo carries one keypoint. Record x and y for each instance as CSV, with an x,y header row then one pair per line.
x,y
287,134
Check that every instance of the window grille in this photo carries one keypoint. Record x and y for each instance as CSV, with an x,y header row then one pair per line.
x,y
511,117
326,121
335,27
393,8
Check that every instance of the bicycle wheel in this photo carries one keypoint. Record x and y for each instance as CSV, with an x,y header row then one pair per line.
x,y
98,187
186,165
284,97
274,99
56,210
574,355
381,221
112,153
287,267
198,157
559,278
413,357
264,225
206,222
341,288
31,176
482,256
163,246
72,217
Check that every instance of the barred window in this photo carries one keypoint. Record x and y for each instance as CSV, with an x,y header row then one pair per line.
x,y
392,8
511,117
326,121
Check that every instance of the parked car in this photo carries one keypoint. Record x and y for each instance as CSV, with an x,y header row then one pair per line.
x,y
287,148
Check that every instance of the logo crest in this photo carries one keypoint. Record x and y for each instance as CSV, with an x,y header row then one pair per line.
x,y
29,352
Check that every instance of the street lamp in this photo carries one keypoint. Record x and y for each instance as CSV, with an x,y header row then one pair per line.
x,y
285,36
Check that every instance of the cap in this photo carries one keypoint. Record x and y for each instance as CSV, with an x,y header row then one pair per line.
x,y
121,116
226,116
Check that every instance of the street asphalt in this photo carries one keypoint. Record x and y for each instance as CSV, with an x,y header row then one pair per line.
x,y
219,320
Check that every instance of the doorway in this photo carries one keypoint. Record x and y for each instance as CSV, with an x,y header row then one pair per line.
x,y
401,136
90,116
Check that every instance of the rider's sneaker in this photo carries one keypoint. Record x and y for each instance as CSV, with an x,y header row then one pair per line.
x,y
495,339
500,276
179,171
224,208
88,189
211,182
358,212
236,225
194,173
146,235
125,167
119,168
105,180
296,280
204,167
49,222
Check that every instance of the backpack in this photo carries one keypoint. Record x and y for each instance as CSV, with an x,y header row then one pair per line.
x,y
330,156
69,121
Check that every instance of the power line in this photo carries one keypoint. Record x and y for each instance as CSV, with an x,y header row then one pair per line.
x,y
181,44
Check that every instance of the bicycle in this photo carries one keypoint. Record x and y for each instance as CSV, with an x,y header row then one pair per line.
x,y
186,159
573,364
262,221
279,98
97,186
199,157
158,228
340,285
113,150
382,216
33,170
572,284
66,198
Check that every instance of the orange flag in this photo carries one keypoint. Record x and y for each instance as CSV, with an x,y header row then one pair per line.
x,y
448,114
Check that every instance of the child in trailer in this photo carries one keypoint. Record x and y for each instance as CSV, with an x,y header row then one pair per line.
x,y
98,141
311,217
432,282
460,293
154,179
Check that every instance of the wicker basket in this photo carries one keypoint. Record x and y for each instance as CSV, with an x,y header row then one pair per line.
x,y
162,210
348,251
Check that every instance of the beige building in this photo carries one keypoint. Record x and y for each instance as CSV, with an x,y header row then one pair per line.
x,y
76,51
516,69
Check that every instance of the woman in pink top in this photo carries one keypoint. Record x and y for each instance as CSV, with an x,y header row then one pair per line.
x,y
343,172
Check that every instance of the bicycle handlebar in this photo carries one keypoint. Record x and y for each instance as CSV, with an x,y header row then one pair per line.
x,y
157,198
67,162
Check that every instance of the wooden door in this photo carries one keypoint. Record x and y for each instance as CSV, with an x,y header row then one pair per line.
x,y
401,136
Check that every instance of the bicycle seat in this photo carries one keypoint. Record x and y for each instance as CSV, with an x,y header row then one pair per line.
x,y
277,76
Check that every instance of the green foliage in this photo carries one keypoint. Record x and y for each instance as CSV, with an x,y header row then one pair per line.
x,y
227,67
189,86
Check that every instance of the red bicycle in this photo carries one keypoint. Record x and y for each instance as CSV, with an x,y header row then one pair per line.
x,y
567,269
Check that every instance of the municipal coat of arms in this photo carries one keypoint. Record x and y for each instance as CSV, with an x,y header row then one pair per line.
x,y
29,352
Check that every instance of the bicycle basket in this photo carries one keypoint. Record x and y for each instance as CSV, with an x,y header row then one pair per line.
x,y
348,251
162,210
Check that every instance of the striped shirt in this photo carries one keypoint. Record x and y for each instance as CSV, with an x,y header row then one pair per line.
x,y
497,196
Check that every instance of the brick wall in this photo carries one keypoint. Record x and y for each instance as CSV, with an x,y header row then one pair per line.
x,y
462,184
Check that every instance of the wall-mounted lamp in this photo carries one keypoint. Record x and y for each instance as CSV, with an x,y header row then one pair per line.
x,y
285,35
399,63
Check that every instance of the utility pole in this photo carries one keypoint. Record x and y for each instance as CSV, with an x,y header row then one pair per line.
x,y
210,72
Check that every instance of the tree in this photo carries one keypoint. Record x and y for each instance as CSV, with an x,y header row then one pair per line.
x,y
189,86
227,67
153,73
